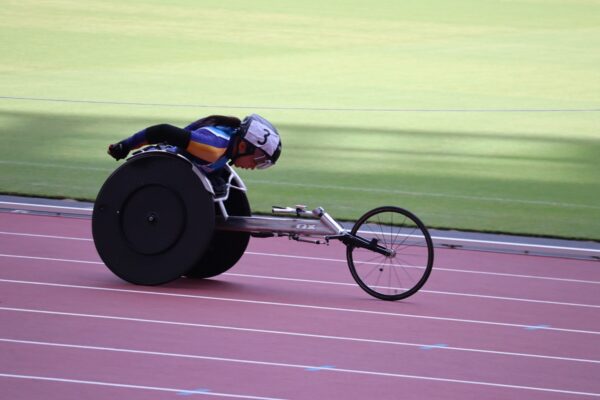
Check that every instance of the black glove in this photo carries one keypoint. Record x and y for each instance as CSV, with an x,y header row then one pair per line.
x,y
118,151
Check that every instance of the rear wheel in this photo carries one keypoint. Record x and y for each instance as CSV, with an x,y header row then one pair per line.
x,y
406,270
152,219
226,247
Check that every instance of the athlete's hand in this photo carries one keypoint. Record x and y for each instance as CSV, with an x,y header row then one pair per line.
x,y
118,151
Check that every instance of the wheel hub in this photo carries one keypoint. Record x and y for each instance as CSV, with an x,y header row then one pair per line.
x,y
153,219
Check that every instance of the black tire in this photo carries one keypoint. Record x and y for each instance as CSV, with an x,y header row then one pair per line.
x,y
404,273
152,219
225,248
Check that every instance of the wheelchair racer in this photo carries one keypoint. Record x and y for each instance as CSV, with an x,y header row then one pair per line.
x,y
213,141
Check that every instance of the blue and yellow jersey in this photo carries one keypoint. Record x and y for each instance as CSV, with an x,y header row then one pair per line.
x,y
209,145
206,146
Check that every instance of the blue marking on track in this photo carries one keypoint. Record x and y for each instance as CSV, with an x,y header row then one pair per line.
x,y
537,327
320,368
433,346
195,391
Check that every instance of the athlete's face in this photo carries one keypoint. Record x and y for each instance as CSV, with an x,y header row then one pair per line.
x,y
250,161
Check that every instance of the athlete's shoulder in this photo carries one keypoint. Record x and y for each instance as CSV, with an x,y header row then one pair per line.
x,y
211,136
224,132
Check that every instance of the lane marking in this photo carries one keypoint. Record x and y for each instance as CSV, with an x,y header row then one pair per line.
x,y
320,368
51,259
289,333
304,306
194,391
503,298
434,238
482,296
515,244
346,284
537,327
434,346
34,235
305,367
33,205
435,268
334,260
127,386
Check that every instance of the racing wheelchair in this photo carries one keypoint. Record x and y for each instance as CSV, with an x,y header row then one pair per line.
x,y
159,217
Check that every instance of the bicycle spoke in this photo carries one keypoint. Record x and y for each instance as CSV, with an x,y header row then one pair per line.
x,y
401,232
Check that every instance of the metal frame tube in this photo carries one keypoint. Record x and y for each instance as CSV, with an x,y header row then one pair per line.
x,y
276,225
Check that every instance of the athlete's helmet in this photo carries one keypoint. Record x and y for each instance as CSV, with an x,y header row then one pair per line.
x,y
261,134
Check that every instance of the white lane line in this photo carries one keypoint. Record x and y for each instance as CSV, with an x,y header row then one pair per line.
x,y
65,260
342,261
306,306
86,210
34,235
302,335
330,260
434,268
515,244
332,369
501,298
592,252
128,386
480,296
504,274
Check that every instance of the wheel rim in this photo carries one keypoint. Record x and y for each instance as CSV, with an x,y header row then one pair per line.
x,y
405,271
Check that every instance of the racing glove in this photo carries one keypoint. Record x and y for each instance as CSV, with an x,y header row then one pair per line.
x,y
119,150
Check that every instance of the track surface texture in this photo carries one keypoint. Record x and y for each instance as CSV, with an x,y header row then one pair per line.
x,y
288,322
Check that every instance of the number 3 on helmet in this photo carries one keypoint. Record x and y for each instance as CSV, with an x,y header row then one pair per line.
x,y
262,134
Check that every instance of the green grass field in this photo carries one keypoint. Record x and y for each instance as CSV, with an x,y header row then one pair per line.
x,y
478,115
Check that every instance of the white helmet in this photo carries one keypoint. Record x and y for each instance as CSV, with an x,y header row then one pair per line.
x,y
261,134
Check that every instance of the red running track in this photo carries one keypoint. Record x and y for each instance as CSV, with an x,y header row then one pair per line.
x,y
288,322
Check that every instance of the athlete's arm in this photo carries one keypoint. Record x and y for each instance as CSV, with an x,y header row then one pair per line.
x,y
163,133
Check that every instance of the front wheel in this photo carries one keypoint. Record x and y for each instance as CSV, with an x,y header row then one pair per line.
x,y
405,271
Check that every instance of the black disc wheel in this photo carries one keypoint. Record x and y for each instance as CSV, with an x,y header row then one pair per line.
x,y
152,219
406,269
226,248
